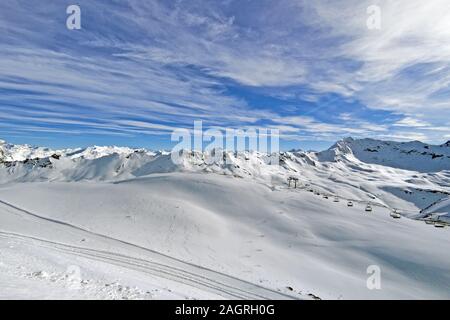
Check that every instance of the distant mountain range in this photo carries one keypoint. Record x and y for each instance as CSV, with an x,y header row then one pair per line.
x,y
407,175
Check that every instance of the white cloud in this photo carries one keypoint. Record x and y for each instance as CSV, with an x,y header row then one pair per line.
x,y
163,62
411,122
404,63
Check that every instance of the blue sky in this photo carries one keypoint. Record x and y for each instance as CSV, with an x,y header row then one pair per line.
x,y
137,70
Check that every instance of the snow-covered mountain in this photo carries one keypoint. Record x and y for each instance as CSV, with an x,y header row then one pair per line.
x,y
231,229
11,153
414,155
411,156
411,176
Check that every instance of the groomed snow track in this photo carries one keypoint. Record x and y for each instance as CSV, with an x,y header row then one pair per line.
x,y
149,262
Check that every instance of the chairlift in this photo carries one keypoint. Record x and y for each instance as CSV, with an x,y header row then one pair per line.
x,y
395,214
368,208
430,220
317,193
350,204
336,199
439,225
325,196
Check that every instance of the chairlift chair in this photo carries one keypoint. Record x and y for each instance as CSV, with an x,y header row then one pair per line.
x,y
368,208
395,214
350,204
439,224
336,199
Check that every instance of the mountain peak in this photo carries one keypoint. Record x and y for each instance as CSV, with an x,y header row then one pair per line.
x,y
348,139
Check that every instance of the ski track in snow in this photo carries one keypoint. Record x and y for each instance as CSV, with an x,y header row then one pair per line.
x,y
215,230
173,269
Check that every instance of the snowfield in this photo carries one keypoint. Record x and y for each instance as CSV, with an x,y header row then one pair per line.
x,y
118,223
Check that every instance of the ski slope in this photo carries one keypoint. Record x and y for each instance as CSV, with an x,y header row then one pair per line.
x,y
71,243
133,225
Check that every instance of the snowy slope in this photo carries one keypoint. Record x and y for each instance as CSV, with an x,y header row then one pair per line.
x,y
272,238
235,227
351,169
10,152
440,209
364,170
414,155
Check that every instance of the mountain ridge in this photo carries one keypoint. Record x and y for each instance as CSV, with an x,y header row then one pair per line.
x,y
393,174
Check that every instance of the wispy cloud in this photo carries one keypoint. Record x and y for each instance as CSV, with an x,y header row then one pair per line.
x,y
311,69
